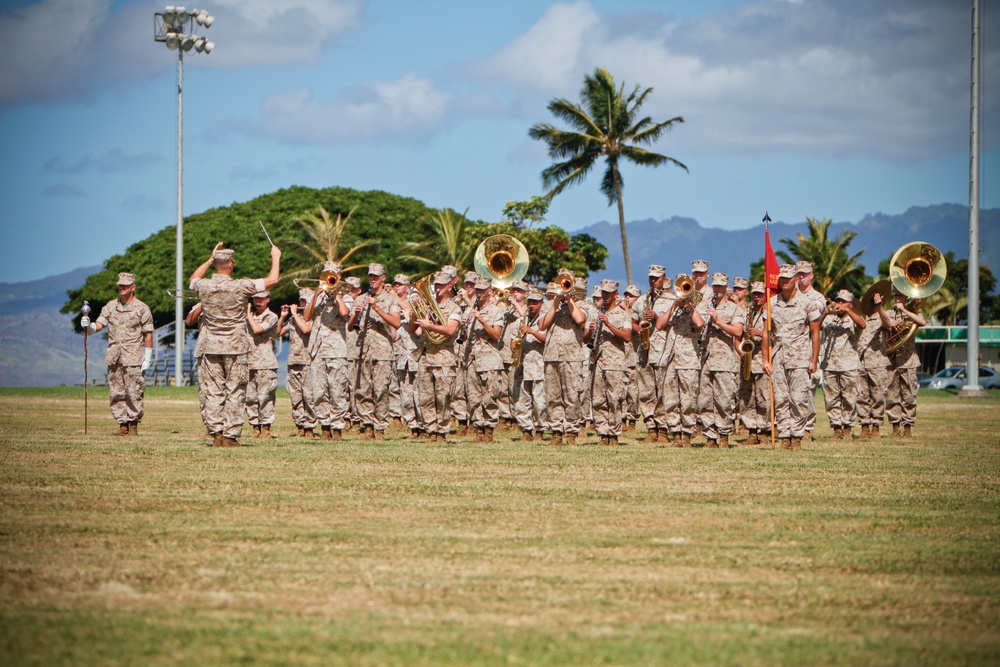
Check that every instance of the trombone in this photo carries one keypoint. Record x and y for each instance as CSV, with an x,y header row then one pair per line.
x,y
328,281
684,289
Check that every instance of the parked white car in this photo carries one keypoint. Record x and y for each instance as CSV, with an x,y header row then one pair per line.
x,y
955,378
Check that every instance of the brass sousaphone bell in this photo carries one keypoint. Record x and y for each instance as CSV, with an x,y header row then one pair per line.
x,y
503,259
917,270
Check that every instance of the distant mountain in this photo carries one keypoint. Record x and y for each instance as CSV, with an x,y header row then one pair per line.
x,y
677,241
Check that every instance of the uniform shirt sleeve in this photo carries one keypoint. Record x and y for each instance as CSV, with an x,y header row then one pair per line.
x,y
147,319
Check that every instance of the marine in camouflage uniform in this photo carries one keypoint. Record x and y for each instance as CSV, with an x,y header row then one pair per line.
x,y
407,359
376,317
804,275
901,396
460,397
222,371
650,364
192,319
299,362
630,409
720,366
130,351
262,364
681,367
795,341
438,363
873,380
565,359
529,393
754,394
839,361
353,351
330,385
513,314
612,347
483,380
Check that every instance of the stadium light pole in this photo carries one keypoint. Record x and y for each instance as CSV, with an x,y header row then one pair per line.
x,y
176,27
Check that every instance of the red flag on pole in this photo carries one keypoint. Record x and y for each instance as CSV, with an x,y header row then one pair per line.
x,y
770,261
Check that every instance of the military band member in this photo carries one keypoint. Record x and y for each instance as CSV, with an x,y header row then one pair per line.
x,y
565,359
795,340
405,350
529,395
297,382
611,340
376,317
353,352
873,380
901,397
630,409
191,320
514,312
130,352
650,363
262,364
438,362
679,381
699,271
223,372
719,380
483,380
738,294
840,363
328,313
465,299
804,275
755,399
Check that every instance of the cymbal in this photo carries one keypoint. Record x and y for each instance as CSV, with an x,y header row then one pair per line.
x,y
867,304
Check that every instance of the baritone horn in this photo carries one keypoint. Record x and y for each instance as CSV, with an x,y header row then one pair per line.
x,y
425,306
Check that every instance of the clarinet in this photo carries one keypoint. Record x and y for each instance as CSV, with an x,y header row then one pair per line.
x,y
468,323
360,327
704,331
595,337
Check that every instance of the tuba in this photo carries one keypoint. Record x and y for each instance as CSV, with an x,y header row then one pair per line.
x,y
501,258
425,306
917,270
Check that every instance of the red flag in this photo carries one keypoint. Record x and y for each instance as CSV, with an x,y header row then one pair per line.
x,y
770,265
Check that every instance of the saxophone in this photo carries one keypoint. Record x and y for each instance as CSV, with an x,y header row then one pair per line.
x,y
746,350
645,325
517,343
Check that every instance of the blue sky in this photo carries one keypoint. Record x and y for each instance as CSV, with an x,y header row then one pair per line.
x,y
819,108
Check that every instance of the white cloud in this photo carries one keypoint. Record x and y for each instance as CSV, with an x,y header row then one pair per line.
x,y
406,109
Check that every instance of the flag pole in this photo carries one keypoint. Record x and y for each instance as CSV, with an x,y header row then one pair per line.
x,y
767,299
86,374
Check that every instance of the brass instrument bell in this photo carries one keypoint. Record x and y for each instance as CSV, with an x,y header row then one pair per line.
x,y
867,304
501,258
918,270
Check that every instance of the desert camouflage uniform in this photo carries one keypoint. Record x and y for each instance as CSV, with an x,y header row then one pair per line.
x,y
375,362
529,394
901,395
651,363
353,353
511,325
587,367
630,406
436,374
223,371
460,394
720,369
609,379
840,364
679,374
263,367
298,382
874,375
791,344
407,353
820,302
483,380
331,386
565,358
755,393
127,326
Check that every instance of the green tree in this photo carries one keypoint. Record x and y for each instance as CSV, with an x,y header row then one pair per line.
x,y
950,304
604,125
324,235
833,268
444,241
525,214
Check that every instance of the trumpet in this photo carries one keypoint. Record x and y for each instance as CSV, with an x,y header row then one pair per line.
x,y
565,282
328,281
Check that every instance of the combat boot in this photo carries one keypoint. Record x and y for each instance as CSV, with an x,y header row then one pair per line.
x,y
488,434
865,432
527,436
838,433
652,436
415,434
229,442
808,437
605,440
133,428
308,433
711,443
378,435
265,431
685,439
557,439
752,439
571,439
895,431
122,429
397,422
786,443
463,428
613,440
875,435
326,433
432,438
336,434
724,441
216,440
907,431
797,442
256,431
369,433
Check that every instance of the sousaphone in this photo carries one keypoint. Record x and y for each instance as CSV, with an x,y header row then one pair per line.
x,y
503,259
917,270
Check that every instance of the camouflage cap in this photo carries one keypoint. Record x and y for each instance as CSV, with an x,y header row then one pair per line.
x,y
535,295
633,290
376,269
608,285
757,287
739,282
306,293
655,270
442,278
483,283
720,279
471,276
262,295
699,265
580,283
845,295
333,266
353,281
596,294
224,255
551,289
786,271
521,285
401,279
803,267
126,278
450,271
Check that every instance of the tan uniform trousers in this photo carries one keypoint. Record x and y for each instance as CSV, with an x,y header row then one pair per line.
x,y
630,410
755,402
717,402
872,386
564,395
529,404
126,386
407,381
261,386
299,391
484,390
372,392
679,398
331,392
649,390
792,401
901,397
506,399
434,385
840,395
460,396
608,393
223,379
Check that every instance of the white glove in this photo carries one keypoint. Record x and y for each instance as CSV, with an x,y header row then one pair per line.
x,y
84,322
91,327
147,360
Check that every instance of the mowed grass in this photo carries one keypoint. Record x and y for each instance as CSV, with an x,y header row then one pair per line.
x,y
159,550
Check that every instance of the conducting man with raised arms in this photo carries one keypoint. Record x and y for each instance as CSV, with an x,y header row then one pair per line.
x,y
223,371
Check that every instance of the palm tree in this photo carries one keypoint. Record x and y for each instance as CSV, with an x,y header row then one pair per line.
x,y
447,242
833,268
325,234
604,124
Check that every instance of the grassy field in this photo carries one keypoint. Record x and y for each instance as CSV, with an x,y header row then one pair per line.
x,y
158,550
